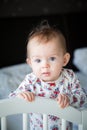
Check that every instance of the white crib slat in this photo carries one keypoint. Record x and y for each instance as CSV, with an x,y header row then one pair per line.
x,y
63,127
3,123
84,119
45,122
25,121
80,127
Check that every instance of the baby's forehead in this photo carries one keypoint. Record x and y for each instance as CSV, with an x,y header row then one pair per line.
x,y
42,39
39,40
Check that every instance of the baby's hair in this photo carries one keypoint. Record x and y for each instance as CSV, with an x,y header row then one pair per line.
x,y
46,32
40,28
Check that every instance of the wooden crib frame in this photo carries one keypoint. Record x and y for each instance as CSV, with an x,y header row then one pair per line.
x,y
44,106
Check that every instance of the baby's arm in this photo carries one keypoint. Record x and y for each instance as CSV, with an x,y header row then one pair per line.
x,y
72,94
24,90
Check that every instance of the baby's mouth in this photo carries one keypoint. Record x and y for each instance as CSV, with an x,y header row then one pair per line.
x,y
46,73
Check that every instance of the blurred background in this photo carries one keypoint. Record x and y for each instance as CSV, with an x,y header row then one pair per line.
x,y
18,17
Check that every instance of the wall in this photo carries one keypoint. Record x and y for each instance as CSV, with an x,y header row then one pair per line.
x,y
25,8
18,17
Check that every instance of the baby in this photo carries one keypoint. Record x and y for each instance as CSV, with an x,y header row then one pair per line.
x,y
47,55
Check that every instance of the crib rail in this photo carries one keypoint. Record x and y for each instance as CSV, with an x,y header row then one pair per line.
x,y
44,106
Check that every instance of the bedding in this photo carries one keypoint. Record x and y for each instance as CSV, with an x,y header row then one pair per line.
x,y
11,77
80,61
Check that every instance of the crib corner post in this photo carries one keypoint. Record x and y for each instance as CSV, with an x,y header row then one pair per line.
x,y
84,120
3,123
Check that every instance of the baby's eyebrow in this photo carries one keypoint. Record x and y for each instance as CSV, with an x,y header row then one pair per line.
x,y
35,57
53,55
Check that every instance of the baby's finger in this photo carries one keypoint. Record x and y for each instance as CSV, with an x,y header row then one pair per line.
x,y
65,101
59,98
20,95
29,96
23,95
26,95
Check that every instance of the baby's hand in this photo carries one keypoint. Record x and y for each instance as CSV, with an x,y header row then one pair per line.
x,y
29,96
63,100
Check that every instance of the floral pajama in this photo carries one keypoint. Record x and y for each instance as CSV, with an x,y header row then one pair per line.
x,y
67,84
54,123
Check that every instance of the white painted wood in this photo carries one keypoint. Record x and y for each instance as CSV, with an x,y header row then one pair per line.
x,y
80,127
45,122
84,119
47,106
3,123
25,121
15,106
63,124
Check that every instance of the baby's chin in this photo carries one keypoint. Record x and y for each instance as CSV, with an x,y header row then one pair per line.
x,y
48,79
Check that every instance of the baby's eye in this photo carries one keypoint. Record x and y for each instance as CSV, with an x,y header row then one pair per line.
x,y
52,58
38,60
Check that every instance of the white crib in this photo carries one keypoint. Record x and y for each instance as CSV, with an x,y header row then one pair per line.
x,y
44,106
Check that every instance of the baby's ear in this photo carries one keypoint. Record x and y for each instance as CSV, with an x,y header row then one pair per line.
x,y
66,59
28,61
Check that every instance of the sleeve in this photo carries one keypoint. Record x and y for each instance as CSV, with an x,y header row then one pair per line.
x,y
77,95
24,86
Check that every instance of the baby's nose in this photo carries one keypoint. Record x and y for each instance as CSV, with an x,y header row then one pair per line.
x,y
45,64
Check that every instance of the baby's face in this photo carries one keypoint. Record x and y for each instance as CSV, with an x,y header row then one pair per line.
x,y
46,59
